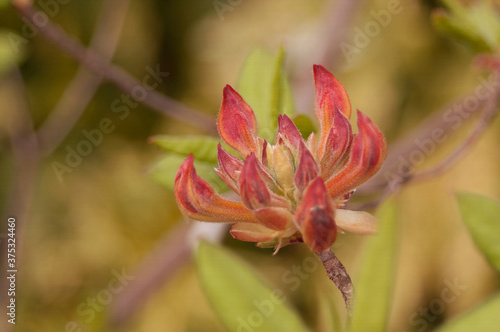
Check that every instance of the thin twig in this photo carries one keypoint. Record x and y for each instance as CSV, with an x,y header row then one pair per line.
x,y
489,112
404,146
114,74
466,145
172,253
337,273
82,88
25,156
153,272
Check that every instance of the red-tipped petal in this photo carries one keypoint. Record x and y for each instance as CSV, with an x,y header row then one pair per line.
x,y
315,217
336,145
229,168
367,154
307,170
330,94
252,233
253,189
274,217
288,131
198,200
236,123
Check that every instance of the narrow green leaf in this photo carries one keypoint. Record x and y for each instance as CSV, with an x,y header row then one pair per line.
x,y
477,24
482,217
328,319
282,102
239,297
203,148
164,172
481,319
264,86
374,288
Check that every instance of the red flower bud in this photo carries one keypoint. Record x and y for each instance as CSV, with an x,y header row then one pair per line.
x,y
288,132
236,123
315,217
198,200
307,170
367,155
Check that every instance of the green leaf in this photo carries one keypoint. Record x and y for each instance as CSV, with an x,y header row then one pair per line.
x,y
164,172
203,148
376,281
239,297
12,50
477,25
328,319
481,319
264,86
482,217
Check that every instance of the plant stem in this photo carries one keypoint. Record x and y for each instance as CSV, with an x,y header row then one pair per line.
x,y
337,273
109,72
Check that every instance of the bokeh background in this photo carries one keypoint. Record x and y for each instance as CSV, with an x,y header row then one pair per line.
x,y
109,214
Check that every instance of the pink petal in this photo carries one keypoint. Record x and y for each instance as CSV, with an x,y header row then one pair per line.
x,y
229,168
198,200
252,233
274,217
236,123
337,143
253,189
366,157
288,132
307,170
330,94
357,222
315,217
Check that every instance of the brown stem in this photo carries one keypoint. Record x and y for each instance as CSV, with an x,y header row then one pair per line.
x,y
337,273
84,85
403,147
22,188
489,112
114,74
154,271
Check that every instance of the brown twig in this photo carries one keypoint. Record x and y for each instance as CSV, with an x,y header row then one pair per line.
x,y
466,145
114,74
403,147
84,85
25,156
337,273
154,271
490,110
172,253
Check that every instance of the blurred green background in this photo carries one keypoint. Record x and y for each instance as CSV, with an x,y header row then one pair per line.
x,y
108,214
